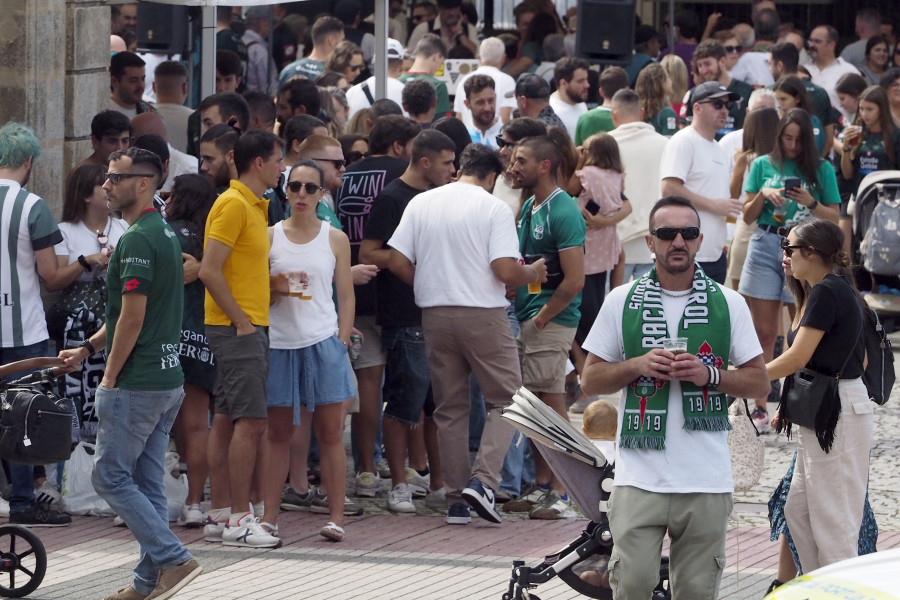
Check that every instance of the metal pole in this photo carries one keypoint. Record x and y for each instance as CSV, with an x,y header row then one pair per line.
x,y
672,28
381,37
208,52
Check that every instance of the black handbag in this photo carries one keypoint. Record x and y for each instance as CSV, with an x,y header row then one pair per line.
x,y
35,426
808,391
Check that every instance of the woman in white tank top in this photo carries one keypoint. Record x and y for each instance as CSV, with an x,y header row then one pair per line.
x,y
309,373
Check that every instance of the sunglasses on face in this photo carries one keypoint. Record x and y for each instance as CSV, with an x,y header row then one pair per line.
x,y
788,248
354,156
731,49
501,143
115,178
718,104
296,186
338,163
667,234
356,67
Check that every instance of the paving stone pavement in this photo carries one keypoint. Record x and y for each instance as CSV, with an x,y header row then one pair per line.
x,y
419,557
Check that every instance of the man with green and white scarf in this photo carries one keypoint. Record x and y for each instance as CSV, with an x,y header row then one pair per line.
x,y
673,470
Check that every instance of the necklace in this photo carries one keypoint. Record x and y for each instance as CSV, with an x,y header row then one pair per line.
x,y
678,294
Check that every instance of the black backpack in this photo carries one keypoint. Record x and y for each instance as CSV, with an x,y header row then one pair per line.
x,y
879,376
35,423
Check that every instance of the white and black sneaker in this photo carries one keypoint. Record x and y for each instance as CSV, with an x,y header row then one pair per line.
x,y
481,498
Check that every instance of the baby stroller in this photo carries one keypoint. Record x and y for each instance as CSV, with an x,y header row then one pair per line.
x,y
880,275
588,478
35,428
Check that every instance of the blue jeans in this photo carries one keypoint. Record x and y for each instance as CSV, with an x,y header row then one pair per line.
x,y
518,466
22,476
407,383
132,438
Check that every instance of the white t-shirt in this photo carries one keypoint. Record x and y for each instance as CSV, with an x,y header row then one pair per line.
x,y
180,163
78,240
703,167
753,68
357,99
693,461
176,118
452,234
502,83
569,113
828,78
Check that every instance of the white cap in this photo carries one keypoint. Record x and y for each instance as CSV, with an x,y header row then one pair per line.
x,y
394,49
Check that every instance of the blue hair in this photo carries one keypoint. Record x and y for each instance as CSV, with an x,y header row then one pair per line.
x,y
17,144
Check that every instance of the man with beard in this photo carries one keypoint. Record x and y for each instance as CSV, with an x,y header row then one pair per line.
x,y
695,166
532,96
235,271
572,86
481,100
449,26
673,471
550,226
709,65
127,74
826,68
297,97
31,232
142,386
217,156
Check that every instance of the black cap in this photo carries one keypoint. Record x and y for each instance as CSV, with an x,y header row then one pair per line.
x,y
644,34
712,89
530,86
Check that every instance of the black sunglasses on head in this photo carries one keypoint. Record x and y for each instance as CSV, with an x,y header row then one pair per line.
x,y
296,186
668,234
718,104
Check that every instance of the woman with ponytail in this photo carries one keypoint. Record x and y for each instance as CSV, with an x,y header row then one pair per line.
x,y
824,507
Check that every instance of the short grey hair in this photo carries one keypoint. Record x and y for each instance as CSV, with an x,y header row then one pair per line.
x,y
761,96
491,50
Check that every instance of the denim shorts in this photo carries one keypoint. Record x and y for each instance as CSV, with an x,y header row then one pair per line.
x,y
309,377
407,383
763,276
243,363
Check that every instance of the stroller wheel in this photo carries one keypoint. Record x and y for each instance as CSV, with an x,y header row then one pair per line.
x,y
23,561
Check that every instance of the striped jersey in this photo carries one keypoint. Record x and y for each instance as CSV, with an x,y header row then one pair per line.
x,y
26,226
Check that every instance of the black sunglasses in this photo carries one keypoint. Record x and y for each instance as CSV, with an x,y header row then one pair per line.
x,y
115,178
501,143
668,234
337,162
731,49
296,186
718,104
788,248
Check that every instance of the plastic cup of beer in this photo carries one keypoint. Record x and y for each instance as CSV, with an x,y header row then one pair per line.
x,y
534,287
779,213
675,345
306,292
295,284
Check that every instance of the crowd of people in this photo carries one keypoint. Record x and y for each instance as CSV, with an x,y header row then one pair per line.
x,y
296,251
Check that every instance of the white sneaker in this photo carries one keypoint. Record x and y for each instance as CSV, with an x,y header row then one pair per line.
x,y
383,470
418,484
249,534
47,493
4,508
367,484
191,516
259,509
400,500
119,522
212,530
437,499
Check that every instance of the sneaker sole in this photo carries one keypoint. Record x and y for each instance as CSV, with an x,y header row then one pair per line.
x,y
293,507
191,524
411,510
484,510
180,585
366,492
40,524
459,520
267,546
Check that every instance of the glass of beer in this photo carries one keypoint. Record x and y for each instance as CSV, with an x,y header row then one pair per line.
x,y
675,345
295,284
306,292
534,287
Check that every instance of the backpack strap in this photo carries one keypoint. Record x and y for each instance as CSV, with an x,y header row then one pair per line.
x,y
368,92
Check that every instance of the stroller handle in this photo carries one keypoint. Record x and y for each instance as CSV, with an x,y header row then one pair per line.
x,y
30,364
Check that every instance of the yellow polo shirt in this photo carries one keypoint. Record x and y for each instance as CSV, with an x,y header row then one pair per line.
x,y
239,220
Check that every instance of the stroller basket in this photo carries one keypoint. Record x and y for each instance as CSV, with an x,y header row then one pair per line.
x,y
588,478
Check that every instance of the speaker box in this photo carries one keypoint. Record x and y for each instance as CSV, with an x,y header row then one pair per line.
x,y
162,28
605,31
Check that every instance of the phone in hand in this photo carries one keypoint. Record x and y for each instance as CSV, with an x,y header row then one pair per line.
x,y
592,207
791,183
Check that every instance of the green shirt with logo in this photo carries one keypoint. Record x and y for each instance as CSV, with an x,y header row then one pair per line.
x,y
554,225
148,261
763,174
871,156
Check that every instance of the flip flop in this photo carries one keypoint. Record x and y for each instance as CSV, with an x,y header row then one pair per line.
x,y
332,532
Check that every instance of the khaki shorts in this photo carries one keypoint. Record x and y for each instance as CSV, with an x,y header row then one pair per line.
x,y
371,354
543,356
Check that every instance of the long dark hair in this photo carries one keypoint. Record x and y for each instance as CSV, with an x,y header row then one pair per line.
x,y
760,128
876,95
808,161
80,184
192,198
793,86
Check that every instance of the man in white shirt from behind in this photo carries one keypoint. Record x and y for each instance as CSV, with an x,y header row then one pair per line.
x,y
362,95
492,55
170,86
572,86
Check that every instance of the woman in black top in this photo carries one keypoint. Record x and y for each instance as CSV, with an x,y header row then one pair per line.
x,y
825,504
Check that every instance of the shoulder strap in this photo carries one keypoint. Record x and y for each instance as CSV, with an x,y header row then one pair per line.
x,y
859,336
368,92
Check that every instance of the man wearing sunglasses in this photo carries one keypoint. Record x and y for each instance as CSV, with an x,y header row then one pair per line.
x,y
695,167
673,469
708,65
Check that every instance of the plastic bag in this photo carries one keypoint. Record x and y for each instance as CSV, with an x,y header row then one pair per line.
x,y
78,495
176,487
748,451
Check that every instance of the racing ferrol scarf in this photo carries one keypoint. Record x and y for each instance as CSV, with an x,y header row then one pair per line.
x,y
707,327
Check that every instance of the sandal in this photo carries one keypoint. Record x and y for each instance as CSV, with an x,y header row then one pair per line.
x,y
332,532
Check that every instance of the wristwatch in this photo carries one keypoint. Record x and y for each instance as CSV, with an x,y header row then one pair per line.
x,y
813,206
84,263
90,347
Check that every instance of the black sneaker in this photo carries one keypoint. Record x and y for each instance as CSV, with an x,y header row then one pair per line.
x,y
38,515
481,498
